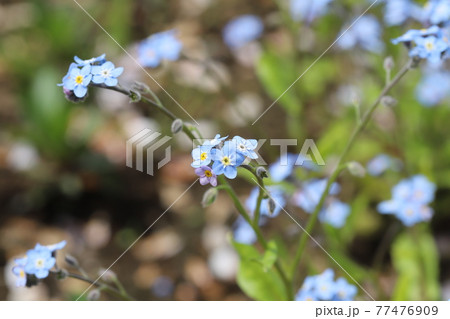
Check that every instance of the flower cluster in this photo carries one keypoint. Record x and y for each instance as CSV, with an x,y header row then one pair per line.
x,y
431,44
323,287
36,264
409,200
158,47
334,211
242,30
216,157
84,72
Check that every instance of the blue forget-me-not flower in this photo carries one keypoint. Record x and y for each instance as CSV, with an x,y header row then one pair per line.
x,y
409,200
366,33
242,30
159,46
106,74
323,287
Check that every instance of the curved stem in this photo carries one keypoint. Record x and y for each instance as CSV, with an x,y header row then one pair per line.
x,y
361,125
156,103
120,294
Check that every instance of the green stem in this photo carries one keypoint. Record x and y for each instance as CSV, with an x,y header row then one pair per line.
x,y
361,125
257,230
157,103
111,290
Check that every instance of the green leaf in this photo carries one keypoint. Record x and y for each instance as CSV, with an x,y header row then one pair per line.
x,y
277,73
256,281
270,256
415,259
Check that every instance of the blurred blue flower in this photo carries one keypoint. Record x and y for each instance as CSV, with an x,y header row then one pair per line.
x,y
366,32
39,261
433,88
308,11
344,290
98,60
19,271
398,11
436,12
78,80
106,73
157,47
162,287
323,287
276,193
410,198
335,213
201,156
242,30
308,197
226,160
243,233
246,147
381,163
283,167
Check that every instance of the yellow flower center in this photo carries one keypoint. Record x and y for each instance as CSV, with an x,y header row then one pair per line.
x,y
40,263
409,212
208,174
226,160
429,46
79,79
22,274
203,156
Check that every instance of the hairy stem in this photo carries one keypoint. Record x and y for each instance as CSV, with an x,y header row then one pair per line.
x,y
361,125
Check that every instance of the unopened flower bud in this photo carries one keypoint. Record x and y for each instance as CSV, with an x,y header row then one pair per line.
x,y
209,197
388,101
177,126
62,274
272,206
261,172
135,96
72,261
71,97
140,87
93,295
356,169
388,64
108,275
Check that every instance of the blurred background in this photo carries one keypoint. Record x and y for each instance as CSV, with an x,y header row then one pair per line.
x,y
62,165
